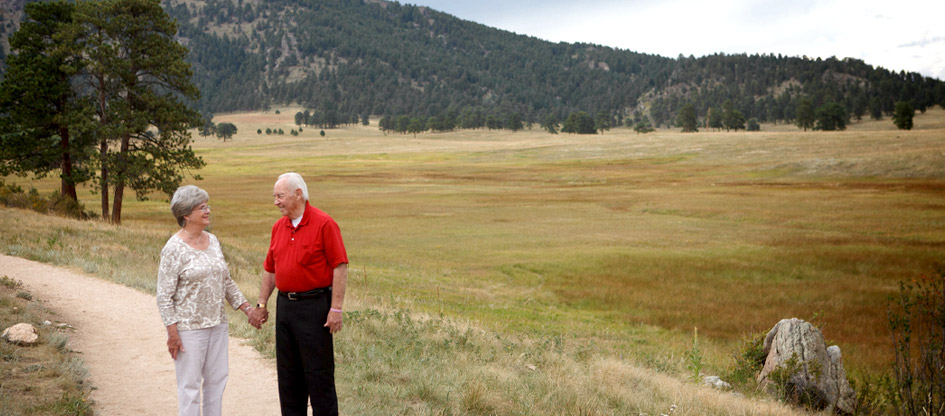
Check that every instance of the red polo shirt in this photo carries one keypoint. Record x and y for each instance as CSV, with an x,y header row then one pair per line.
x,y
304,257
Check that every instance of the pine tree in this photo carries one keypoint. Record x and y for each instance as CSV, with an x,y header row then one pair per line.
x,y
44,125
687,119
139,76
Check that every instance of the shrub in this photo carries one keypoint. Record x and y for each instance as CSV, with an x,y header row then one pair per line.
x,y
748,360
14,196
917,321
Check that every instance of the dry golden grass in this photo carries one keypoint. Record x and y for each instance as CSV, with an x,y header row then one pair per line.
x,y
621,241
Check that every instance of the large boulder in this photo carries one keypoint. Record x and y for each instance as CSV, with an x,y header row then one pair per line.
x,y
800,367
21,334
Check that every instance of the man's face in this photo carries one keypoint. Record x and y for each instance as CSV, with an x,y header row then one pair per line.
x,y
287,201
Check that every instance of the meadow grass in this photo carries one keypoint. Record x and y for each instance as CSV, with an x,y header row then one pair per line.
x,y
612,247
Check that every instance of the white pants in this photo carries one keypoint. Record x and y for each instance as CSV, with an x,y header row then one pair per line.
x,y
202,365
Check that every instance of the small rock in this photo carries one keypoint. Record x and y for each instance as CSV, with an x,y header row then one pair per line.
x,y
47,323
21,334
531,367
716,382
64,326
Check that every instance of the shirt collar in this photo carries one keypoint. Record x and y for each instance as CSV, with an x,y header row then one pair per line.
x,y
304,219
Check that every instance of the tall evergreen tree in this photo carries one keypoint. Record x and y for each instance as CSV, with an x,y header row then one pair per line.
x,y
602,121
687,118
140,79
732,118
43,127
831,116
903,115
805,113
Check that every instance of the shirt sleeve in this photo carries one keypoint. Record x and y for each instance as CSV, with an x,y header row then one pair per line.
x,y
168,274
335,252
270,263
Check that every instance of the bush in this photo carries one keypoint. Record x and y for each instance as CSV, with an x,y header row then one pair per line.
x,y
14,196
748,361
917,321
753,125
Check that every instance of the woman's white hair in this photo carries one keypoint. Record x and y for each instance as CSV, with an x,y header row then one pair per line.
x,y
294,181
185,199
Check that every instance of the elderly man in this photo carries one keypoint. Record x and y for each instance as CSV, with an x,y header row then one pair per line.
x,y
307,262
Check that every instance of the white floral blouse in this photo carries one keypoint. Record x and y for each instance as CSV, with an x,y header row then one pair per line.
x,y
192,285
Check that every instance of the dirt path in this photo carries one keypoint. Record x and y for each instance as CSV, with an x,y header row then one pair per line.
x,y
122,341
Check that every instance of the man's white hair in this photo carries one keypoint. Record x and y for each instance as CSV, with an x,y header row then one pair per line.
x,y
294,181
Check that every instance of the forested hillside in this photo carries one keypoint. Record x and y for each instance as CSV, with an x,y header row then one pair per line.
x,y
349,58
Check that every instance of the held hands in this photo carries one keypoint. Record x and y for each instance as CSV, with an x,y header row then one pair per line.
x,y
257,317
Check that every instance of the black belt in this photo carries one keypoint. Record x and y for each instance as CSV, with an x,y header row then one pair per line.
x,y
311,294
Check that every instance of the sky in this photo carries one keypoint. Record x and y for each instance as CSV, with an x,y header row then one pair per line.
x,y
901,35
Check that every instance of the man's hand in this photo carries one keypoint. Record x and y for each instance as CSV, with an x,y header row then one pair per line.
x,y
334,321
257,317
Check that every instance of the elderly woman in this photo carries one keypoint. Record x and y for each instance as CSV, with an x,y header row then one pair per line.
x,y
193,282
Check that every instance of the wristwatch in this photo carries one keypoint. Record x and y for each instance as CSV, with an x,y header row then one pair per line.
x,y
261,305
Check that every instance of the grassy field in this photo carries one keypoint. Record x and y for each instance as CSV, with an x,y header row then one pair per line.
x,y
553,263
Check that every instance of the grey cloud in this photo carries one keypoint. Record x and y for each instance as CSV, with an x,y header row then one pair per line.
x,y
923,43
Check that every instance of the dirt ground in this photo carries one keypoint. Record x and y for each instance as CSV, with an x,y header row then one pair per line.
x,y
120,336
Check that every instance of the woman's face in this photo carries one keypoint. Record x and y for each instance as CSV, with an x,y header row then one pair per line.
x,y
200,215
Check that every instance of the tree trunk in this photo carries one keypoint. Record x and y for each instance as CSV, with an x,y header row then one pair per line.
x,y
68,186
104,148
120,179
104,183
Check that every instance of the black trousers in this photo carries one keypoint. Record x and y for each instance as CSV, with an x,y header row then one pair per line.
x,y
305,358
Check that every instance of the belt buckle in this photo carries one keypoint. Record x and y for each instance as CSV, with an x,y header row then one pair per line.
x,y
292,295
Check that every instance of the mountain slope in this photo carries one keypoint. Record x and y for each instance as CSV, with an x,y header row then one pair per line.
x,y
354,57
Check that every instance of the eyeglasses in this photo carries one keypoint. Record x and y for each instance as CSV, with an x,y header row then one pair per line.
x,y
204,208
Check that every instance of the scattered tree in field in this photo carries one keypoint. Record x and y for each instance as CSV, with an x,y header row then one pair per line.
x,y
268,130
602,121
714,119
903,115
294,132
416,125
687,119
804,118
550,124
514,122
44,123
643,126
300,118
831,116
365,119
876,109
258,131
732,119
208,128
753,125
579,123
226,131
321,133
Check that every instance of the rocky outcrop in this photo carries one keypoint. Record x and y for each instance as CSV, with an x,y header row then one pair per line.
x,y
800,367
21,334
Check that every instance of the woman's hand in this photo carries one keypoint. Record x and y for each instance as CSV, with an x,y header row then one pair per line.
x,y
174,344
